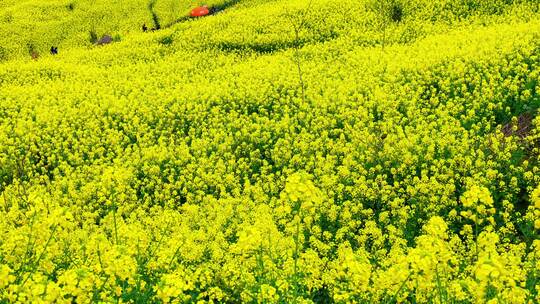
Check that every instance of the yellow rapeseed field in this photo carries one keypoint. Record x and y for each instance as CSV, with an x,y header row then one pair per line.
x,y
274,151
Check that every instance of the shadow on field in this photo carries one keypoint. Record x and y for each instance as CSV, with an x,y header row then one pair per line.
x,y
269,47
155,17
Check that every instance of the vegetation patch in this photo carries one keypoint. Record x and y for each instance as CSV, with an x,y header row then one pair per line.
x,y
299,151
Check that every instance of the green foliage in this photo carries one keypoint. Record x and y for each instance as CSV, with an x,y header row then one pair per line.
x,y
71,6
167,40
93,36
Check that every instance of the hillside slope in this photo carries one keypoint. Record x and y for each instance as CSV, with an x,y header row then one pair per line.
x,y
383,152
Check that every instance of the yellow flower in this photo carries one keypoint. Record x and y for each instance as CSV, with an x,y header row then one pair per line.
x,y
6,276
267,293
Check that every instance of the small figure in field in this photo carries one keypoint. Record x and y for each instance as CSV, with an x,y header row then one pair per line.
x,y
54,50
35,55
144,28
214,10
105,40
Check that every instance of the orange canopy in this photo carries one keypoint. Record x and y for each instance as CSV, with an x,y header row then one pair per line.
x,y
200,11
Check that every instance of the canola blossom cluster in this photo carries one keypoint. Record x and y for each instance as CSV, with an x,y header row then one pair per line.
x,y
285,151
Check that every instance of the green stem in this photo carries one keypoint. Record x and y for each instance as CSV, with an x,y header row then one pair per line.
x,y
114,219
174,255
36,263
439,283
476,237
402,285
296,249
